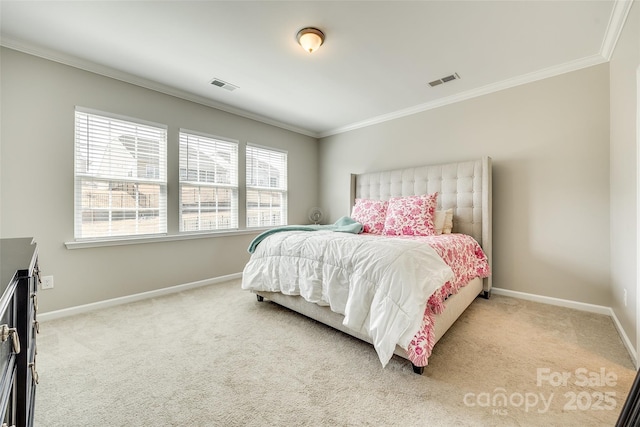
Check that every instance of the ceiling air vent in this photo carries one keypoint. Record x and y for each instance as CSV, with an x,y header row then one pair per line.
x,y
224,85
446,79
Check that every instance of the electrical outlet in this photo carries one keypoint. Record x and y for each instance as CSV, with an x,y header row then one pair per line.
x,y
47,282
624,297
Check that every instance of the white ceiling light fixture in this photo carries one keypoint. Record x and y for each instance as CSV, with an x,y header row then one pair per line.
x,y
310,39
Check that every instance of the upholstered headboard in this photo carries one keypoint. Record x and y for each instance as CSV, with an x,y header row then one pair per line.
x,y
463,186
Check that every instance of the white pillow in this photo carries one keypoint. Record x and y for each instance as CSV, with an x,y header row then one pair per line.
x,y
448,222
443,221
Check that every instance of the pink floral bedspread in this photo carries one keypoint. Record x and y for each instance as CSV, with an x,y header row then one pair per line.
x,y
467,260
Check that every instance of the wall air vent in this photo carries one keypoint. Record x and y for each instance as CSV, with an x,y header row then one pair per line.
x,y
224,85
446,79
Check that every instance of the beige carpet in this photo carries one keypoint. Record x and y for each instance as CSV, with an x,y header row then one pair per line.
x,y
214,356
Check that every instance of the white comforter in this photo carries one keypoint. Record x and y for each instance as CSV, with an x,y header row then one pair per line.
x,y
381,285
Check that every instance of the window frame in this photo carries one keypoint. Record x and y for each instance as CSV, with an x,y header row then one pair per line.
x,y
243,188
233,186
282,190
130,183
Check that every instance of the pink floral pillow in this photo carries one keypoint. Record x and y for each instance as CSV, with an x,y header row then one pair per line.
x,y
371,214
411,215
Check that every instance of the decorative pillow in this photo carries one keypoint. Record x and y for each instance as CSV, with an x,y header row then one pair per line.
x,y
411,215
448,222
443,221
371,214
438,221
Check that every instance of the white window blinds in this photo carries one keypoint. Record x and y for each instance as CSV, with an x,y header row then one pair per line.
x,y
266,187
120,177
208,183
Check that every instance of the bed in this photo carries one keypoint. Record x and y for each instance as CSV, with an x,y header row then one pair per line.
x,y
416,308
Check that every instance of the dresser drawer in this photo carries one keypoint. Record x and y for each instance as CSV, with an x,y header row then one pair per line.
x,y
19,272
8,397
6,347
9,348
34,326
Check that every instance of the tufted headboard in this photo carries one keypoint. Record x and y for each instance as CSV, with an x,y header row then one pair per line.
x,y
463,186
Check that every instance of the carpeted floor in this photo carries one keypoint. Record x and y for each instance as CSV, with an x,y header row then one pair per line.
x,y
214,356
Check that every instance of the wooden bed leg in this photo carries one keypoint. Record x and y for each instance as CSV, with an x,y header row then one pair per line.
x,y
417,369
486,294
260,298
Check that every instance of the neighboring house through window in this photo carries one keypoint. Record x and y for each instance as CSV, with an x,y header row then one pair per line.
x,y
266,187
121,180
208,183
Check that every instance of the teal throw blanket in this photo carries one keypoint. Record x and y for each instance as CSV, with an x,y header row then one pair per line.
x,y
343,225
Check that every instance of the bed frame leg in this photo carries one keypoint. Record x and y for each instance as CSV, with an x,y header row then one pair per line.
x,y
417,369
260,298
486,294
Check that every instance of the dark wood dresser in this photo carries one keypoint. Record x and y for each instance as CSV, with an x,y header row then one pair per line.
x,y
19,277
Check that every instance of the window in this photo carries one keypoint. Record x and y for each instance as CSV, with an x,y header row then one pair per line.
x,y
266,187
208,183
120,177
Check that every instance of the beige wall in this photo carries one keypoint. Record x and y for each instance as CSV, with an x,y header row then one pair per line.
x,y
625,66
36,164
549,141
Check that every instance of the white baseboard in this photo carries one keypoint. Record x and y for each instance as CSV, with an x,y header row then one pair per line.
x,y
135,297
592,308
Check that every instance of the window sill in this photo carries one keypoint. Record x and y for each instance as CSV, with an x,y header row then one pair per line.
x,y
82,244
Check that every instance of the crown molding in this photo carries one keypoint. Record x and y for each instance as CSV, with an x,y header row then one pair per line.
x,y
484,90
618,17
113,73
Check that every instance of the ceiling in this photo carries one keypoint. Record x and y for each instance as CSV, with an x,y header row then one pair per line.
x,y
376,63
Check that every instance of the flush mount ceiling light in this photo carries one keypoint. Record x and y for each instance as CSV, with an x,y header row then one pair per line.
x,y
310,39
